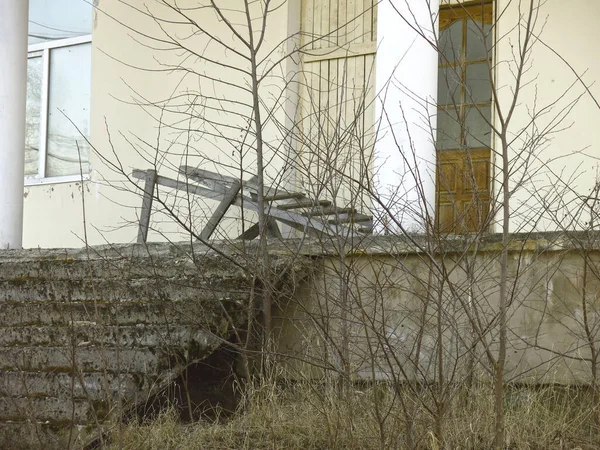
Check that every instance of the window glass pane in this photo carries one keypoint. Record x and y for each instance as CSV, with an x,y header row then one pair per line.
x,y
69,95
449,86
32,117
448,129
450,42
477,129
58,19
479,87
478,39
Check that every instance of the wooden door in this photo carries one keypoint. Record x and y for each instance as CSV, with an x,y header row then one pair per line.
x,y
464,131
463,190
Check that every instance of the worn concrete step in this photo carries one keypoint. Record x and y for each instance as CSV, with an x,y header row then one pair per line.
x,y
124,290
60,350
89,386
26,435
52,409
138,262
145,360
209,315
87,359
86,334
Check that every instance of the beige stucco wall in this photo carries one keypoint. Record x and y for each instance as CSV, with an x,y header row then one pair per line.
x,y
53,213
130,73
564,162
396,304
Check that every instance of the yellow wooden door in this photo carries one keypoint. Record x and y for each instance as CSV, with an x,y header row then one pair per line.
x,y
464,137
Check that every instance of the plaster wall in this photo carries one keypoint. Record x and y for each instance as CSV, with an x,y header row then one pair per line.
x,y
88,335
399,306
139,119
554,158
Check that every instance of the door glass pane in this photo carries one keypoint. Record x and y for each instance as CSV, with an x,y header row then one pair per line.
x,y
450,42
479,87
69,101
59,19
32,114
449,86
477,129
448,129
479,36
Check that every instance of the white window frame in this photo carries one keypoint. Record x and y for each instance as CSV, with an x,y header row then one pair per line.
x,y
43,49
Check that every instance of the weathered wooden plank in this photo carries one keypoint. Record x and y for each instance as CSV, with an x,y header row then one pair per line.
x,y
183,186
333,22
201,175
324,19
359,110
324,118
295,220
308,203
220,211
247,202
316,24
307,23
250,233
329,211
351,20
352,218
369,113
278,195
146,212
342,22
359,21
368,20
273,230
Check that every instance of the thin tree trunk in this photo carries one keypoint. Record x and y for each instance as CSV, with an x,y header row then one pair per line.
x,y
503,305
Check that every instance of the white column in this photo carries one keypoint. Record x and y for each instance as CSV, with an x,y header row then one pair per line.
x,y
406,81
13,85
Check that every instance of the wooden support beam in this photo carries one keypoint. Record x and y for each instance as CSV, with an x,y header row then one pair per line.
x,y
212,178
329,211
282,195
182,186
222,208
352,218
273,230
149,177
308,203
293,219
202,175
250,233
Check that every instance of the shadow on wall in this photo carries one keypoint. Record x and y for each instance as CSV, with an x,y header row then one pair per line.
x,y
206,390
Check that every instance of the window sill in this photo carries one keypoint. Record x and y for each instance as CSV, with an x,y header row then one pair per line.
x,y
32,181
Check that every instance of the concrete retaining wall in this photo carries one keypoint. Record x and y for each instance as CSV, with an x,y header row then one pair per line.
x,y
406,300
85,335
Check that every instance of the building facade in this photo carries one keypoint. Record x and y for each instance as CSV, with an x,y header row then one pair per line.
x,y
408,110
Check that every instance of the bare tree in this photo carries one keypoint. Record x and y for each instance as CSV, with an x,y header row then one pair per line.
x,y
431,316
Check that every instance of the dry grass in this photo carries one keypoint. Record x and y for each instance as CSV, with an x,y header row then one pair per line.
x,y
312,417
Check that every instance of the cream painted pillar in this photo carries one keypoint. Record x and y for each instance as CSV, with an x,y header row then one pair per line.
x,y
13,85
406,80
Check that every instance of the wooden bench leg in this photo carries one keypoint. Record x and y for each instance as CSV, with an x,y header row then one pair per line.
x,y
150,182
214,220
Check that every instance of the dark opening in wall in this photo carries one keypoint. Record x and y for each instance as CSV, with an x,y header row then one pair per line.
x,y
205,390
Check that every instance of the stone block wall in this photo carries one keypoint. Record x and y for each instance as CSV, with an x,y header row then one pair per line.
x,y
87,334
